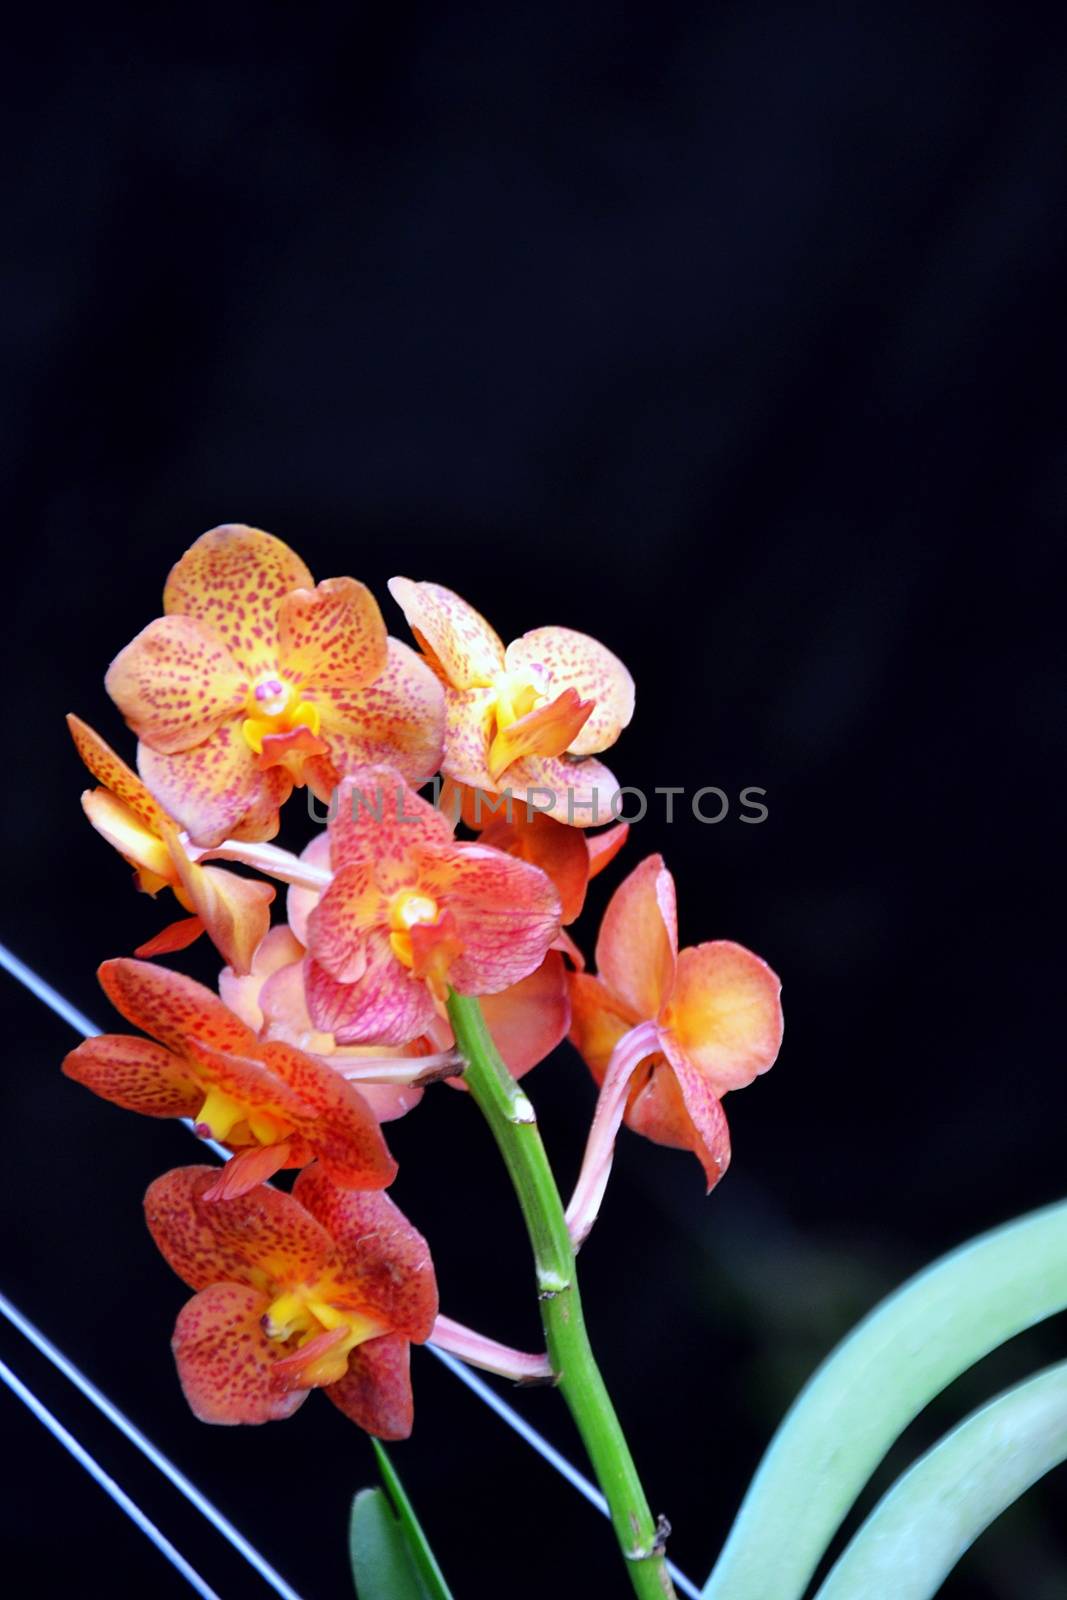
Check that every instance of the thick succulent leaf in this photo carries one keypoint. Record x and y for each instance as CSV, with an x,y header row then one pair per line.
x,y
935,1511
864,1395
391,1558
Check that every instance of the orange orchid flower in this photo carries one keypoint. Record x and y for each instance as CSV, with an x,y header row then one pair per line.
x,y
528,718
233,911
271,1104
411,911
255,679
325,1288
666,1032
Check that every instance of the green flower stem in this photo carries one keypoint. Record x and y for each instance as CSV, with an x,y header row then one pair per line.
x,y
514,1127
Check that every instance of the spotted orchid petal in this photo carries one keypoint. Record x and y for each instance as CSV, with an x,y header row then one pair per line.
x,y
262,1233
109,769
383,1262
398,719
574,661
637,947
457,638
388,1006
218,789
380,818
579,793
376,1391
724,1013
233,580
137,1074
470,720
227,1365
506,913
332,634
338,1123
560,851
175,683
171,1007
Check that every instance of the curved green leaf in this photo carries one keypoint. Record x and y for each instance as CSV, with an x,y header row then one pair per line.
x,y
920,1529
864,1395
391,1557
425,1561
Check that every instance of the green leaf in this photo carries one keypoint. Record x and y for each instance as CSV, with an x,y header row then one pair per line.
x,y
877,1380
391,1558
920,1529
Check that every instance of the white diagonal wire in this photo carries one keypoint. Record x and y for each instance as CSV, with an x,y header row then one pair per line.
x,y
62,1008
106,1482
539,1443
161,1462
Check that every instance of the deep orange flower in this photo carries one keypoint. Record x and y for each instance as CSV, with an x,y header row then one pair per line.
x,y
683,1027
273,1105
255,680
527,718
321,1289
233,911
411,911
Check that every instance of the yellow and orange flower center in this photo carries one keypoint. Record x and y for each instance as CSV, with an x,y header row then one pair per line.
x,y
273,706
406,910
528,718
305,1314
228,1121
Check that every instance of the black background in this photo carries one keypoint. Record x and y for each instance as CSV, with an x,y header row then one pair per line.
x,y
731,334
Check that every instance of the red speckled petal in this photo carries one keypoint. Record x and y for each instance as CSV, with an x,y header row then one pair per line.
x,y
332,634
398,720
637,946
250,1081
506,912
677,1107
175,683
387,1006
530,1019
558,850
380,817
468,651
109,769
376,1391
218,789
469,724
573,660
341,1129
135,1074
725,1013
598,1021
175,936
170,1006
384,1263
263,1237
225,1360
579,793
234,578
338,926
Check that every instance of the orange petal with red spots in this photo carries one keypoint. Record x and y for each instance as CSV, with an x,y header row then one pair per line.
x,y
338,1124
263,1237
725,1013
175,936
548,730
387,1006
170,1006
506,912
225,1360
637,945
573,660
558,850
251,1082
217,790
234,579
380,817
579,793
465,647
136,1074
332,634
376,1391
398,720
384,1264
530,1019
109,769
678,1108
175,683
598,1021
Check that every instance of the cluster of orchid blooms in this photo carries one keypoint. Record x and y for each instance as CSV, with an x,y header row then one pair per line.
x,y
332,1023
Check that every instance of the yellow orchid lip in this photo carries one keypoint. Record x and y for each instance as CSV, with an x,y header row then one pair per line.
x,y
306,1315
226,1120
408,910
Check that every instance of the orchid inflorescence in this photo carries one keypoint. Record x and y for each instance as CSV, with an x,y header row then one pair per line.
x,y
335,1021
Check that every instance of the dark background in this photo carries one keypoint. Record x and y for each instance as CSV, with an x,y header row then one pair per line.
x,y
733,335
